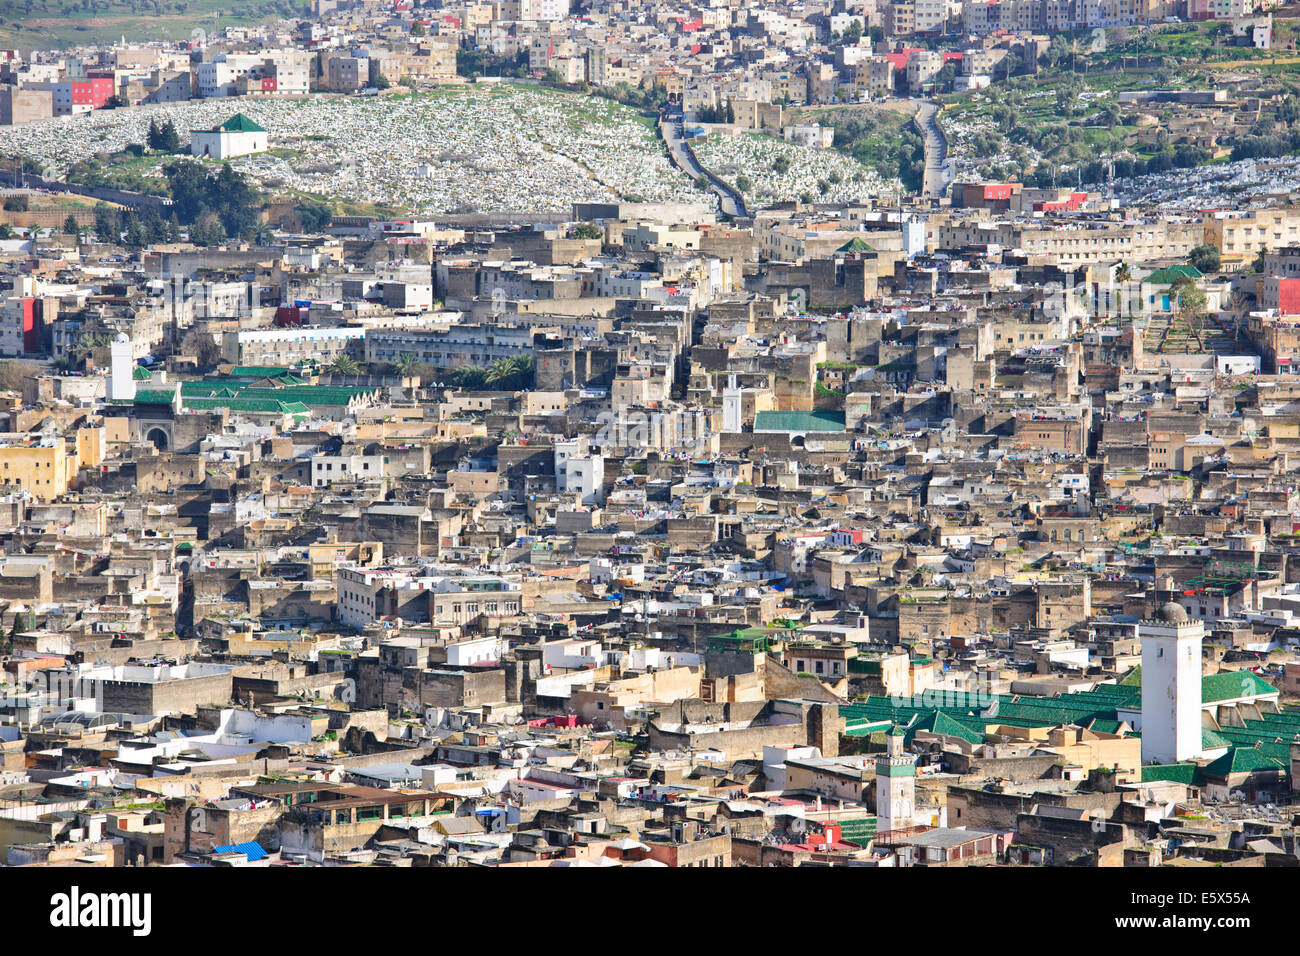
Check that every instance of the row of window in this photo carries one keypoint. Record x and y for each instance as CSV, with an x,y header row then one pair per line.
x,y
819,667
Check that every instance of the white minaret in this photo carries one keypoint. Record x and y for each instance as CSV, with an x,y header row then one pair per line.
x,y
731,406
121,379
1171,686
895,784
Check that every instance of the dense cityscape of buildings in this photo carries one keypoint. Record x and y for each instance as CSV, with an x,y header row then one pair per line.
x,y
949,527
709,55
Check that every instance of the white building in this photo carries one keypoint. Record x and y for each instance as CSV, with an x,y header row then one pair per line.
x,y
895,785
282,73
282,347
732,418
476,650
550,10
121,379
237,136
451,347
572,654
366,595
327,469
1171,686
812,135
579,472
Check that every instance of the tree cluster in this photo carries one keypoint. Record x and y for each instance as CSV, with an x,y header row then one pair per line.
x,y
1098,171
1205,258
130,228
722,114
638,97
476,63
505,374
217,205
911,160
164,138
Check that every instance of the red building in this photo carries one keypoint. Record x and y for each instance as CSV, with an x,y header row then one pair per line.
x,y
984,195
22,326
1280,294
1071,203
291,315
80,96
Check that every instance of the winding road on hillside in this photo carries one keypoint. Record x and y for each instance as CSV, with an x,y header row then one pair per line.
x,y
729,199
937,172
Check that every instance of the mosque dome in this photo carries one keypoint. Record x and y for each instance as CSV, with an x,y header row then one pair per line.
x,y
1172,613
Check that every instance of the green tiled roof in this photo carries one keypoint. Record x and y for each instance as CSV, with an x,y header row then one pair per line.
x,y
141,374
1172,772
1106,726
1171,274
312,394
239,123
856,244
263,405
866,729
1233,684
257,371
818,421
1098,708
1260,744
155,396
309,395
749,640
1212,741
1244,760
202,390
942,723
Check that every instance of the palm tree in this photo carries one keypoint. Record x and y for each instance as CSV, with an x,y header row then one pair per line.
x,y
500,370
345,364
469,376
93,340
405,364
510,373
1123,275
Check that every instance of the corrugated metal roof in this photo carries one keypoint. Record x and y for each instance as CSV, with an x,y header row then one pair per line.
x,y
252,849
